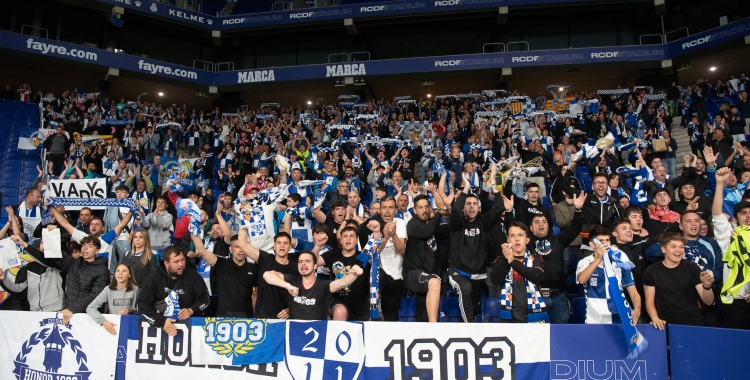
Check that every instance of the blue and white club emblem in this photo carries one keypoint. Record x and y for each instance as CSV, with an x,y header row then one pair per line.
x,y
49,352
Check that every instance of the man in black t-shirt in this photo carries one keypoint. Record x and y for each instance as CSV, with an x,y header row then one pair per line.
x,y
308,297
334,220
421,261
235,278
674,286
352,301
271,301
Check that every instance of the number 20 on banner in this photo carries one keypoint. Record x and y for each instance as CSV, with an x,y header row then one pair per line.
x,y
457,359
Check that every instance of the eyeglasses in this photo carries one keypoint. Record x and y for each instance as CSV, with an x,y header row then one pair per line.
x,y
600,183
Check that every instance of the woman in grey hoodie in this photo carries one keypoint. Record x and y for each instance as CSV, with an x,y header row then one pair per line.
x,y
121,296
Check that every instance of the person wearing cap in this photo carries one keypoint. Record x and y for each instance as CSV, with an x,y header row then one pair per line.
x,y
296,176
661,211
659,182
735,292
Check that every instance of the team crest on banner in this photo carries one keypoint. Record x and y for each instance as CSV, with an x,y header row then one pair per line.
x,y
234,337
325,350
41,356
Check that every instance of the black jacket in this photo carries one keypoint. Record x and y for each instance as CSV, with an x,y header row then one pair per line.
x,y
603,213
550,248
189,286
421,245
85,280
461,256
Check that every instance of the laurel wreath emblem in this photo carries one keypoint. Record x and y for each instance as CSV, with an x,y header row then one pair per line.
x,y
39,336
231,348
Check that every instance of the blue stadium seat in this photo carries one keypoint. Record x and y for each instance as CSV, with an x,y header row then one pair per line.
x,y
491,309
579,310
408,310
9,200
449,310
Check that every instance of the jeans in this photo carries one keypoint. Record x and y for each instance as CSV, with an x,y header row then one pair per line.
x,y
670,165
557,308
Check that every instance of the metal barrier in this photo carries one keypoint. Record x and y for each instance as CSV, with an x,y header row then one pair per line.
x,y
351,56
281,5
194,5
661,38
528,48
338,55
484,47
229,65
32,27
676,30
205,65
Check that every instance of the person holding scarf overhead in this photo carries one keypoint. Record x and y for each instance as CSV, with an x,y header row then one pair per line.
x,y
519,271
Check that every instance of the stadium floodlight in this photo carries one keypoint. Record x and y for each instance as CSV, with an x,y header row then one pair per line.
x,y
161,94
713,68
309,102
429,95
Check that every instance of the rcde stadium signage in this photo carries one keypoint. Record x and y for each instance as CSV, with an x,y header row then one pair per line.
x,y
61,50
333,13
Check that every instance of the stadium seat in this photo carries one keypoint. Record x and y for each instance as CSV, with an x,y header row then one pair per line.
x,y
491,309
449,310
579,310
408,310
9,200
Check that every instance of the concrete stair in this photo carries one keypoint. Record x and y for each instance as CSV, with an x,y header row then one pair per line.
x,y
680,135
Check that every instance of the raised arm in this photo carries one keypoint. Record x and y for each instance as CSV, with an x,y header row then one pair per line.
x,y
62,220
345,281
123,223
207,255
224,227
250,250
718,202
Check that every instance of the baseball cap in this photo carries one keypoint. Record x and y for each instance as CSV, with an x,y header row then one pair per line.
x,y
661,190
739,206
687,182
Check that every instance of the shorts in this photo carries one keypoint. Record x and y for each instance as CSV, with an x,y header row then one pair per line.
x,y
359,313
417,280
193,149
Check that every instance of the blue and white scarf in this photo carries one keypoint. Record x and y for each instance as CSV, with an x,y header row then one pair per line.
x,y
635,341
537,309
251,210
371,251
130,203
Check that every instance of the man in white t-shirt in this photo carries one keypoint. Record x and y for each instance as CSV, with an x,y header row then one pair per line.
x,y
392,287
96,229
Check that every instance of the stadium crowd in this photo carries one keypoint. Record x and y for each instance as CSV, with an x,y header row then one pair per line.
x,y
459,196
